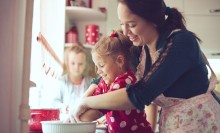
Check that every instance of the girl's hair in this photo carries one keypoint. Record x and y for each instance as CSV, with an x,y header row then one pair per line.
x,y
114,45
77,48
154,11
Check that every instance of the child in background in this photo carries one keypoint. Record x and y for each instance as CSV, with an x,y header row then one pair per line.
x,y
72,85
111,56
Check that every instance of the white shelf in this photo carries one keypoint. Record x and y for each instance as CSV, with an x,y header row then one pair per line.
x,y
71,44
84,14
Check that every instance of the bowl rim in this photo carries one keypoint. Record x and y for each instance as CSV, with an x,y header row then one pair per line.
x,y
55,122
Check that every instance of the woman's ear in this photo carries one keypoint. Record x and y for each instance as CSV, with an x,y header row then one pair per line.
x,y
120,60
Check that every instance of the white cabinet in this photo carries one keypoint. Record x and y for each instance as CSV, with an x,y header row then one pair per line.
x,y
84,14
208,29
202,7
80,17
203,18
175,3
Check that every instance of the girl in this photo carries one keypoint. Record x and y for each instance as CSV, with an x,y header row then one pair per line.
x,y
113,61
72,85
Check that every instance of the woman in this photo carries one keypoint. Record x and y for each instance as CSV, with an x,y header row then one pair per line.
x,y
172,71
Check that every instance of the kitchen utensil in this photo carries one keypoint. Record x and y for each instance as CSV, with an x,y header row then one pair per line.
x,y
92,34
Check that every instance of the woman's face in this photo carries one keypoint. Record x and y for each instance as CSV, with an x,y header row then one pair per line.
x,y
107,67
138,30
76,63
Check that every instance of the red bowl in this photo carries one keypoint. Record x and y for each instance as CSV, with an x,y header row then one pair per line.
x,y
38,115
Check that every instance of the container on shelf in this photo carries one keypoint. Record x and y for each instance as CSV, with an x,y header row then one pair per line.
x,y
72,35
80,3
92,34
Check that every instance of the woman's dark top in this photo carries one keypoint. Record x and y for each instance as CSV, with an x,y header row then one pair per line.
x,y
181,74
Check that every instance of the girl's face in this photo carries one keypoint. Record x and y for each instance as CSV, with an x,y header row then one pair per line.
x,y
76,63
107,67
138,30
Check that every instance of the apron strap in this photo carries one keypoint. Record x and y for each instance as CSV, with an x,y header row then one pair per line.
x,y
213,79
207,63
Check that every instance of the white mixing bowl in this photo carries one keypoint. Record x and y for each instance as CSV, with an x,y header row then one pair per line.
x,y
60,127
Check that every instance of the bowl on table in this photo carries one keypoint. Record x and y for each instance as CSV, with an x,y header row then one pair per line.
x,y
60,127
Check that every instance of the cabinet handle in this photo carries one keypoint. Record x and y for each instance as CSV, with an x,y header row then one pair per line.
x,y
214,10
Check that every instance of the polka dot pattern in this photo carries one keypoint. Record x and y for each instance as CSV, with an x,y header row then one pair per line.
x,y
127,121
116,86
134,127
127,112
123,124
112,119
128,80
138,111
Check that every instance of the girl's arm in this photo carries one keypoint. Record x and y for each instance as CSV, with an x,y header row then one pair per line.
x,y
90,90
151,112
92,87
90,115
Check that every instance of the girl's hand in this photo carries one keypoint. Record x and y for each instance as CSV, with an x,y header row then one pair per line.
x,y
79,109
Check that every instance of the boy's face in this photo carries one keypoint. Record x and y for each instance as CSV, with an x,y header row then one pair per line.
x,y
76,63
107,67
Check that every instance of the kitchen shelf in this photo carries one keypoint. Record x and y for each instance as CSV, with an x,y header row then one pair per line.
x,y
84,14
85,45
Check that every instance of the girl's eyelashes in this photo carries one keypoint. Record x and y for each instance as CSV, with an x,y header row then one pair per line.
x,y
130,25
99,65
102,65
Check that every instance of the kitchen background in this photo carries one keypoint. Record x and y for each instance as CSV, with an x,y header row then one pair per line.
x,y
24,58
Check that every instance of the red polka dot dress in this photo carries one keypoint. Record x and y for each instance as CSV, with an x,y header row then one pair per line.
x,y
123,121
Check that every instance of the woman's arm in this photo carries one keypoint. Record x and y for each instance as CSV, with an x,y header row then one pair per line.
x,y
115,100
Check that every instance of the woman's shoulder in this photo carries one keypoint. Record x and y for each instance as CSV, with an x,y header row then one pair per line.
x,y
184,35
185,39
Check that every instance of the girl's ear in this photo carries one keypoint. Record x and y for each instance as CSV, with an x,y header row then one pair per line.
x,y
120,60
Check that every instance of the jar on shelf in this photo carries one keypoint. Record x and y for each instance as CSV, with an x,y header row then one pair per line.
x,y
72,35
92,34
